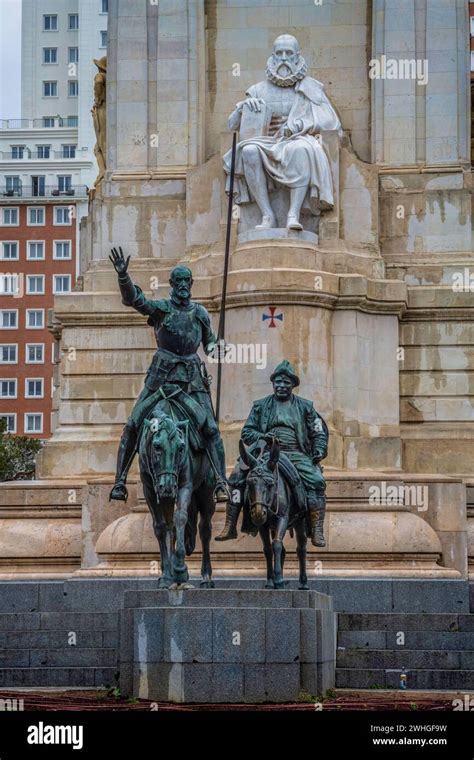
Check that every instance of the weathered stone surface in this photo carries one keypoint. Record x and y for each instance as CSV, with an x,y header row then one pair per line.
x,y
242,650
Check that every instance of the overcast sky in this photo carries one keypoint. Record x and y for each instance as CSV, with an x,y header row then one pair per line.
x,y
10,59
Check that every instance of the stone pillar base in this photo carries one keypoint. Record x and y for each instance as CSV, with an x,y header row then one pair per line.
x,y
226,646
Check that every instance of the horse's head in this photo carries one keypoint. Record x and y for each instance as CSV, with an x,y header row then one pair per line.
x,y
261,482
167,444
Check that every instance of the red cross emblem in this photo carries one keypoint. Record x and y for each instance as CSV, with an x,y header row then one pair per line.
x,y
272,316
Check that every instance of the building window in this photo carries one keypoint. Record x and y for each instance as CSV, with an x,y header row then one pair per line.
x,y
35,284
69,151
10,284
104,6
35,319
62,215
73,88
18,151
103,39
11,422
72,121
38,186
48,121
35,216
61,283
43,151
7,388
8,319
8,353
62,249
10,250
35,250
34,423
73,55
10,217
64,182
50,55
50,22
34,387
34,353
13,185
50,89
73,22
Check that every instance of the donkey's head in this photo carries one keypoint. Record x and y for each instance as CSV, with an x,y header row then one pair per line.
x,y
261,482
166,447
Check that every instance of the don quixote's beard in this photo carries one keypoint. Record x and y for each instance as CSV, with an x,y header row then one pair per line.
x,y
276,71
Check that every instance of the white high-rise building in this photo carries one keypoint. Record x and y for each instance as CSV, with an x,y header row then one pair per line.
x,y
60,39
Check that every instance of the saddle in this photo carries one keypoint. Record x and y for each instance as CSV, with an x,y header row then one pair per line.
x,y
181,406
292,477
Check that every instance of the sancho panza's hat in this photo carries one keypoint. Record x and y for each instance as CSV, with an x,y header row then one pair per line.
x,y
285,368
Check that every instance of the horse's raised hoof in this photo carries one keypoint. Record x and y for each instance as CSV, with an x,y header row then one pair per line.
x,y
207,584
119,492
269,584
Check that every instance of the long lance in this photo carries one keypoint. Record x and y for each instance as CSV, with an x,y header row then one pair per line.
x,y
221,329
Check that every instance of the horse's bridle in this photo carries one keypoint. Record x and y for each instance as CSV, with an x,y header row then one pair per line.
x,y
276,495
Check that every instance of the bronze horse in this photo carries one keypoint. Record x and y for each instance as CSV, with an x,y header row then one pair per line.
x,y
177,484
273,511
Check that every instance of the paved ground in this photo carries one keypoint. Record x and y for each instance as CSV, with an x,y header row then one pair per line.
x,y
339,699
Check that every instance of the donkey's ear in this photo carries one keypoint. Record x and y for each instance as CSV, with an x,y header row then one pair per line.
x,y
247,458
243,453
274,454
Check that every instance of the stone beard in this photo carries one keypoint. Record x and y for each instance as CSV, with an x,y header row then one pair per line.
x,y
285,74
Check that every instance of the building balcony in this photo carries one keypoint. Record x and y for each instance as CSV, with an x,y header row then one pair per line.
x,y
49,192
49,122
7,155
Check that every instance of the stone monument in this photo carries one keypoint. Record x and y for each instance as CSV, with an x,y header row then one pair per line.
x,y
99,116
360,301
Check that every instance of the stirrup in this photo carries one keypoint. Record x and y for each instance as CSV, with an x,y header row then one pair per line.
x,y
119,492
221,492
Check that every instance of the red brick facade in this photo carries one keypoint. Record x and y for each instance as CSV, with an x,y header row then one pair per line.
x,y
50,234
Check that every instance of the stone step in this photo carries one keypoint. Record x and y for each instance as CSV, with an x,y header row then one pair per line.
x,y
350,595
65,657
376,659
355,678
50,639
451,641
57,621
58,676
395,621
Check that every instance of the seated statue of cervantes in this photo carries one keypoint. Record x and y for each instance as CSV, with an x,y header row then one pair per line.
x,y
290,154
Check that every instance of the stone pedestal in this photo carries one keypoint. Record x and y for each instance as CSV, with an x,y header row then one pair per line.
x,y
366,311
226,645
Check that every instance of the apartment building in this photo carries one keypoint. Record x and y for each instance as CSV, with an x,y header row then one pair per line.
x,y
47,166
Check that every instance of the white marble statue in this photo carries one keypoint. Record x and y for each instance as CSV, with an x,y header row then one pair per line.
x,y
280,145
